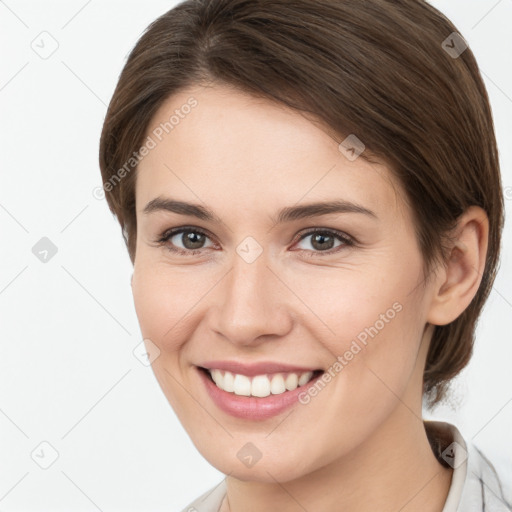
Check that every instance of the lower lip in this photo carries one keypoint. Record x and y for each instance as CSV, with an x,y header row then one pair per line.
x,y
252,407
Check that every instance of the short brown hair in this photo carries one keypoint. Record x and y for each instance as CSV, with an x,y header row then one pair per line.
x,y
375,68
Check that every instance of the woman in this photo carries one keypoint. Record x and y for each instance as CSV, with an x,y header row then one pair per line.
x,y
310,194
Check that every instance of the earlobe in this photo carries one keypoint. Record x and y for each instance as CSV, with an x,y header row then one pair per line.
x,y
459,282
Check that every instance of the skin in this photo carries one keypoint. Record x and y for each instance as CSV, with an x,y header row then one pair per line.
x,y
360,444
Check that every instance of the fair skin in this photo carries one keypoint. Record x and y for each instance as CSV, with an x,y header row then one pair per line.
x,y
359,444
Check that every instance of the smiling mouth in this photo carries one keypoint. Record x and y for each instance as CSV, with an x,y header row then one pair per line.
x,y
259,385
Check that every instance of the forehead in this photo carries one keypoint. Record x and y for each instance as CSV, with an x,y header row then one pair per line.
x,y
218,144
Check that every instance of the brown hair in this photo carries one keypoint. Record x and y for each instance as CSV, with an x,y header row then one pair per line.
x,y
375,68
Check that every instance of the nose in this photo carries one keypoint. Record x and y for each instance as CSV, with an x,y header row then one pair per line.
x,y
250,304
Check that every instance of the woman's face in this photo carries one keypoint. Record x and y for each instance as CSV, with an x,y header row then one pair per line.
x,y
250,288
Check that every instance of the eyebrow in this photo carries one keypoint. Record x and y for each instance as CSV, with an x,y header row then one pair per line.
x,y
286,214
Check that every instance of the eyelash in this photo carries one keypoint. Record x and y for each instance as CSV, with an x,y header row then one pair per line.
x,y
347,240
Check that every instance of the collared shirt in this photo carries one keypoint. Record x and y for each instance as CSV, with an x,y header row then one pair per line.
x,y
475,485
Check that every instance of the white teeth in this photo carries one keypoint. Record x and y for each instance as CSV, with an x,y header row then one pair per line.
x,y
277,385
217,377
304,378
229,382
260,385
242,385
291,381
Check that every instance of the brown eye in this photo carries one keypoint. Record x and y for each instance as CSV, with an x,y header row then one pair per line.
x,y
192,239
320,241
324,241
185,240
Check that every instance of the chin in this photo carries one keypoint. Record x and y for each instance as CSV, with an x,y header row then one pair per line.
x,y
267,469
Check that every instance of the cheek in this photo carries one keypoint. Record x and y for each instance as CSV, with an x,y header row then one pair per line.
x,y
371,376
375,326
162,315
164,302
147,296
358,305
379,355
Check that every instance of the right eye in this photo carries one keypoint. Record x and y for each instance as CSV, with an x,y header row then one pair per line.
x,y
191,238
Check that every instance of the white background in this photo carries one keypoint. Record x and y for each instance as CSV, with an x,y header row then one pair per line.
x,y
68,327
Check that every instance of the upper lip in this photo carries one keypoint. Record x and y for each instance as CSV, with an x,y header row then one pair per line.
x,y
257,368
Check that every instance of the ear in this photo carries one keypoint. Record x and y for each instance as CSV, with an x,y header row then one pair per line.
x,y
457,282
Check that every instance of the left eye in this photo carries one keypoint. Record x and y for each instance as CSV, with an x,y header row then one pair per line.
x,y
324,240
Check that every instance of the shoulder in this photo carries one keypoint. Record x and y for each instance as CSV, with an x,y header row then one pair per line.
x,y
209,501
483,484
475,486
